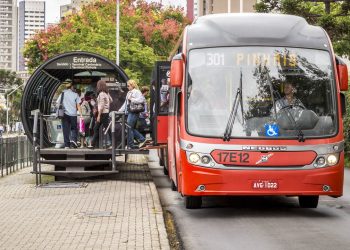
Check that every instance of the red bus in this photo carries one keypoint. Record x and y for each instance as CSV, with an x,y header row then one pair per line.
x,y
255,108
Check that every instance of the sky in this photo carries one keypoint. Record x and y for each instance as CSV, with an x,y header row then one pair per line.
x,y
53,7
53,10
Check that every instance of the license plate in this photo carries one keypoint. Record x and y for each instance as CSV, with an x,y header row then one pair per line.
x,y
264,184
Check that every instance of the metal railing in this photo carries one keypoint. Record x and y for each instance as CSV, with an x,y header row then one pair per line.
x,y
15,154
38,141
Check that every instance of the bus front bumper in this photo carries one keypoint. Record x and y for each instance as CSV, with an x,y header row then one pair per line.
x,y
201,181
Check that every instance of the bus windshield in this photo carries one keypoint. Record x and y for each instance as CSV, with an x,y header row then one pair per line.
x,y
264,92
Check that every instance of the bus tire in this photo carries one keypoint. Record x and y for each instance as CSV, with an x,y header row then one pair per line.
x,y
193,202
308,201
173,186
165,171
161,162
161,158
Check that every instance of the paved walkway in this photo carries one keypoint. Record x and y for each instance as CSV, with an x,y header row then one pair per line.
x,y
124,213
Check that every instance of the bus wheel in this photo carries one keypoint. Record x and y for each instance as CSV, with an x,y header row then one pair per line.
x,y
161,157
161,162
308,201
193,202
173,186
165,171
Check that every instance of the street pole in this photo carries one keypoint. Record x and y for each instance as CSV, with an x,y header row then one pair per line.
x,y
241,6
228,6
117,24
7,107
7,115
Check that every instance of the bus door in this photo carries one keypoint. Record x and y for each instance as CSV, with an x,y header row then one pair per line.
x,y
160,102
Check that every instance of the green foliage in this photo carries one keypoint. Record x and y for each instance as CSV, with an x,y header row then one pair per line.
x,y
268,6
9,81
336,23
137,57
347,160
148,32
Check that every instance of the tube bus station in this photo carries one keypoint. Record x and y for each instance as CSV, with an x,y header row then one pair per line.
x,y
44,129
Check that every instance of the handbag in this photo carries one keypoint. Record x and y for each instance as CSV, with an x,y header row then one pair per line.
x,y
60,110
82,126
136,107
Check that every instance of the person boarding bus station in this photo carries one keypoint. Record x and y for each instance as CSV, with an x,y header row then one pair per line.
x,y
70,102
133,97
103,103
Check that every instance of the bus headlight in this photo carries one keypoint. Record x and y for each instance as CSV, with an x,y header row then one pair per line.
x,y
332,159
321,161
194,157
205,159
326,160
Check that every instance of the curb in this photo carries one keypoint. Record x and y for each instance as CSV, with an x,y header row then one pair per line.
x,y
163,236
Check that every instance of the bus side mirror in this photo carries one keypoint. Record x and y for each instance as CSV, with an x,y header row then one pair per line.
x,y
342,70
176,71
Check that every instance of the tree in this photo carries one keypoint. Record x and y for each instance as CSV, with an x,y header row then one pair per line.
x,y
8,82
335,18
147,34
9,79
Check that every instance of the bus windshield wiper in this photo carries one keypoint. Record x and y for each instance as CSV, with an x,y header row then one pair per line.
x,y
238,100
291,118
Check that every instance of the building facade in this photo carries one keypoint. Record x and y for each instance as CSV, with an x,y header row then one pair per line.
x,y
74,6
206,7
190,9
8,34
31,19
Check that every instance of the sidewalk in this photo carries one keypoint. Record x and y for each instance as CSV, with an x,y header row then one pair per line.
x,y
124,213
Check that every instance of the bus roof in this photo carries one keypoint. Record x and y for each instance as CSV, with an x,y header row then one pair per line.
x,y
255,29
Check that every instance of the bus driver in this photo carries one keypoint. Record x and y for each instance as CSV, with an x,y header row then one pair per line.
x,y
289,100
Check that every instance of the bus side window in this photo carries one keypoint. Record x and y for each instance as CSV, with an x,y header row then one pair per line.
x,y
177,102
164,96
172,101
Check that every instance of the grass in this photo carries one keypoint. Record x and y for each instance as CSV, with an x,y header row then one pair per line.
x,y
44,179
174,241
347,160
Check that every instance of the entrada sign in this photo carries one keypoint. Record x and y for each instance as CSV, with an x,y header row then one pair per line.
x,y
79,62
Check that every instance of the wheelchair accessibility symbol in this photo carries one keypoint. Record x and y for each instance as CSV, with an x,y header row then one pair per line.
x,y
271,130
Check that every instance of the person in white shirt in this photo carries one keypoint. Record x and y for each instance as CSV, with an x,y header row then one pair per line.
x,y
288,101
134,95
71,104
164,96
2,130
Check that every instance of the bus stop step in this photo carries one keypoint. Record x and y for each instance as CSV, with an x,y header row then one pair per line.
x,y
76,163
78,174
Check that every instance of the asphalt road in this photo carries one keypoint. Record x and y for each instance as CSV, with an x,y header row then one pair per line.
x,y
257,222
